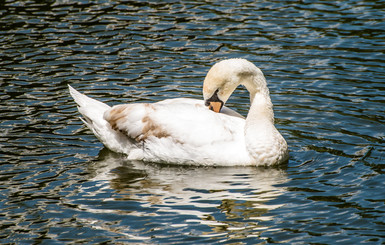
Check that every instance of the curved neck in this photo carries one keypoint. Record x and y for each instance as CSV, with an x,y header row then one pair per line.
x,y
261,107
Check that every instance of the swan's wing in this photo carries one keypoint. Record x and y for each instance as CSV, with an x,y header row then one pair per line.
x,y
175,121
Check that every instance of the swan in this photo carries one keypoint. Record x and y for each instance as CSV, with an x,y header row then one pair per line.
x,y
194,132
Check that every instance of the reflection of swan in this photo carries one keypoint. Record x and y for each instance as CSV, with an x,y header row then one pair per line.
x,y
184,131
225,199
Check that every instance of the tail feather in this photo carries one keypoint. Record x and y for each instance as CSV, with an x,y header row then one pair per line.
x,y
84,101
93,116
92,112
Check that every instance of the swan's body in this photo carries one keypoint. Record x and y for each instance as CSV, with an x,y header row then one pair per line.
x,y
185,131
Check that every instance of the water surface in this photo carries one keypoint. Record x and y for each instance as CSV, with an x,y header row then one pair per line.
x,y
324,63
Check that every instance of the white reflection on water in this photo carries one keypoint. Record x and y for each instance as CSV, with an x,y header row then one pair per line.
x,y
231,200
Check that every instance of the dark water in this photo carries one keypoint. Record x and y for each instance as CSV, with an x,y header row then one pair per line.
x,y
324,62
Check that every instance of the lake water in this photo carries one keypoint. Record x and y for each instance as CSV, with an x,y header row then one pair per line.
x,y
324,62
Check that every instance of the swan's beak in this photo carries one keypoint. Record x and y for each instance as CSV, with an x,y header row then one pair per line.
x,y
215,105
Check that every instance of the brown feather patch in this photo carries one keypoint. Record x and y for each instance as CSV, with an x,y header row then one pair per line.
x,y
116,114
150,128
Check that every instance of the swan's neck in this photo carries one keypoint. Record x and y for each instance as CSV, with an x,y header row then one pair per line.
x,y
261,109
263,141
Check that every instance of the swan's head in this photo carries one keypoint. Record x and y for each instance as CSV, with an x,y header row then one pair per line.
x,y
225,76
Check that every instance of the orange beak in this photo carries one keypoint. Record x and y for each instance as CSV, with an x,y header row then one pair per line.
x,y
215,106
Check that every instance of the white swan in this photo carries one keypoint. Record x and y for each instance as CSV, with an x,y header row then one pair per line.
x,y
185,131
